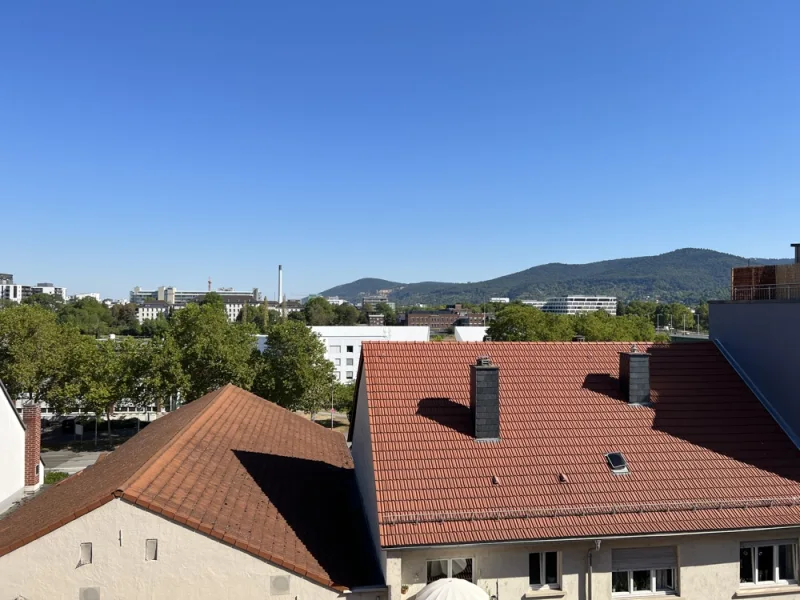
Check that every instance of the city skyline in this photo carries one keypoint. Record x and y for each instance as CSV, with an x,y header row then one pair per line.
x,y
164,144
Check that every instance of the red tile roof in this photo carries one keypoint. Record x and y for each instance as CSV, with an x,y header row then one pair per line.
x,y
705,456
235,467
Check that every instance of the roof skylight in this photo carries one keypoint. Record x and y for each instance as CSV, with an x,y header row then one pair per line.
x,y
617,463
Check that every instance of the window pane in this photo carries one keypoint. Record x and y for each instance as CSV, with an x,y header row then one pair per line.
x,y
664,580
551,567
641,581
462,568
765,563
746,565
619,581
535,568
437,569
786,561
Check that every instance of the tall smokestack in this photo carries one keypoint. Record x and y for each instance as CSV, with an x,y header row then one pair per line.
x,y
796,253
280,290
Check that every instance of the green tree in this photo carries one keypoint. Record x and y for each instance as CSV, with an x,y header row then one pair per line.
x,y
389,316
213,351
345,314
293,371
88,315
640,308
702,312
31,350
520,323
48,301
675,315
213,299
159,375
155,328
255,316
124,318
318,311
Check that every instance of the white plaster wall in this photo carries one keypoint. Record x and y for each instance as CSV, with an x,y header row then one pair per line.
x,y
190,565
12,454
708,567
361,450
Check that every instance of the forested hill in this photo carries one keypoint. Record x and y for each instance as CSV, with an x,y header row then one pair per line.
x,y
685,275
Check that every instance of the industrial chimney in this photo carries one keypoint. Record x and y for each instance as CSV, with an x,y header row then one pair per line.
x,y
280,290
796,253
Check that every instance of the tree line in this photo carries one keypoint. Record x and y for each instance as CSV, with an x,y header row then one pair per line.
x,y
47,358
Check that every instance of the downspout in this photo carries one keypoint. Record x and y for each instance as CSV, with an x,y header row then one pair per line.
x,y
589,559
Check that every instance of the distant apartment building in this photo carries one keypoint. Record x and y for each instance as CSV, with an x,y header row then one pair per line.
x,y
16,292
151,310
335,300
376,319
94,295
343,343
500,300
575,305
376,299
168,297
441,321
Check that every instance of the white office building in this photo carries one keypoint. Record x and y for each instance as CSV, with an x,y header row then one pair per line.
x,y
575,305
343,343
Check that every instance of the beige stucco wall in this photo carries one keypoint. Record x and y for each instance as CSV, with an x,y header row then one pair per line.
x,y
708,566
189,565
361,450
12,451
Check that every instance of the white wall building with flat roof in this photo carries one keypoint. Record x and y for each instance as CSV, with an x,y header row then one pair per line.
x,y
343,343
151,310
470,334
500,300
94,295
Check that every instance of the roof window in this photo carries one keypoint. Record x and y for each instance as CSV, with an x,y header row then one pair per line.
x,y
617,463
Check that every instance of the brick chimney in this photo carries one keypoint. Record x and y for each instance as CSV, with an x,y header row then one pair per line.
x,y
634,376
484,399
32,417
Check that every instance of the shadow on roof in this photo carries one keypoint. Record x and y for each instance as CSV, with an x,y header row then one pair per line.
x,y
447,413
718,413
603,383
320,503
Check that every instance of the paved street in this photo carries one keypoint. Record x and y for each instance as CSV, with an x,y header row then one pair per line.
x,y
68,461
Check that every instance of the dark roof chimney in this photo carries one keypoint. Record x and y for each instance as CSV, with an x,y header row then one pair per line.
x,y
634,376
578,338
796,253
484,399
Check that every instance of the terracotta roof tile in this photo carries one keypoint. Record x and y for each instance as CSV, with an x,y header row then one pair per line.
x,y
704,448
235,467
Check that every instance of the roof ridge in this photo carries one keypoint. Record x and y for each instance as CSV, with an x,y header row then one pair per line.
x,y
157,454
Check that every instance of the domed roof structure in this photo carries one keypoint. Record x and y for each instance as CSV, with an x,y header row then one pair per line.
x,y
451,589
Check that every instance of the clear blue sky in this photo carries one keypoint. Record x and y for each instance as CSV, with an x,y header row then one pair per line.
x,y
158,143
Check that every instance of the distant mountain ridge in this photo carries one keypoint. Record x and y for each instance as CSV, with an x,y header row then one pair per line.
x,y
687,275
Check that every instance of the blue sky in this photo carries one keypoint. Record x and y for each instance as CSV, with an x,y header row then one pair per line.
x,y
158,143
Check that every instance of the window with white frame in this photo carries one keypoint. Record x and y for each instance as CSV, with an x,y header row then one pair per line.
x,y
335,349
349,362
771,562
449,568
643,571
349,348
337,362
544,570
349,375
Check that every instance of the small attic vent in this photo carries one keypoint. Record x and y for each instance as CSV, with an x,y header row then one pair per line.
x,y
279,585
617,463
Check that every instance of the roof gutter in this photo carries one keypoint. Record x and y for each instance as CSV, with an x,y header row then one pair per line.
x,y
591,538
757,393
